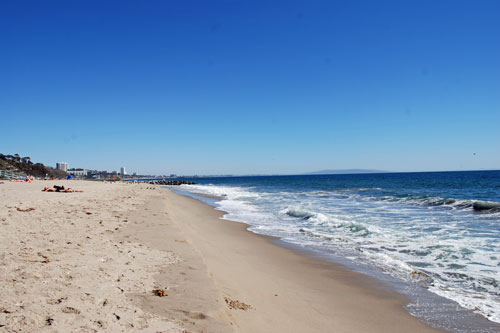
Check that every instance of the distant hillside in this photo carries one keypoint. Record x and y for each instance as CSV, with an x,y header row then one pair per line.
x,y
24,165
344,172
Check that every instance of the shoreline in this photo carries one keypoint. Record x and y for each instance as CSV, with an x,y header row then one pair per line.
x,y
286,289
430,307
91,260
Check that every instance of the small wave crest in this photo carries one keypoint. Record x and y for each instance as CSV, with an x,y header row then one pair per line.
x,y
486,206
435,201
296,212
328,222
311,217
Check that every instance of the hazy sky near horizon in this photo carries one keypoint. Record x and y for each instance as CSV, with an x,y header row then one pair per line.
x,y
217,87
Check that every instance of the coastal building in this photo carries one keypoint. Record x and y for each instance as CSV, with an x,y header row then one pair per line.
x,y
96,174
62,166
78,172
123,172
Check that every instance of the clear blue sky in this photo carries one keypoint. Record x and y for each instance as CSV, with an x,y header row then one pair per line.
x,y
212,87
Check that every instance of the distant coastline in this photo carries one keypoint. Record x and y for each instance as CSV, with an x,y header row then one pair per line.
x,y
345,172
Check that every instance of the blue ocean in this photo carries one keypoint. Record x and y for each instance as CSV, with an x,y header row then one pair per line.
x,y
437,231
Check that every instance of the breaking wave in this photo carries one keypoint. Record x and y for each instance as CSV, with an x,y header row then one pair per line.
x,y
450,245
450,203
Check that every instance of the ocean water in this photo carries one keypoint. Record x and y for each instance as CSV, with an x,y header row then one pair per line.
x,y
437,231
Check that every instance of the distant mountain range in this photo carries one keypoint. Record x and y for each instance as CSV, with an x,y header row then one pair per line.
x,y
344,172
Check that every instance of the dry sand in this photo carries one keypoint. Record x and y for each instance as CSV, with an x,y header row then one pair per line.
x,y
61,267
89,262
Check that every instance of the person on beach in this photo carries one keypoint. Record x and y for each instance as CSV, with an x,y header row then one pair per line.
x,y
57,188
27,179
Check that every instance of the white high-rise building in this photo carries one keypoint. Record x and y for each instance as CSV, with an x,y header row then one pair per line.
x,y
62,166
123,171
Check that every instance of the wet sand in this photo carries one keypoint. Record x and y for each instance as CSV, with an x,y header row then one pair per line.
x,y
270,288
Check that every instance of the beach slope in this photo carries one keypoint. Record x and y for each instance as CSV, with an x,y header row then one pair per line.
x,y
270,288
90,262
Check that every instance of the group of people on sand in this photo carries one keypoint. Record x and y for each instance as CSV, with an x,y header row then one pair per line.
x,y
27,179
57,188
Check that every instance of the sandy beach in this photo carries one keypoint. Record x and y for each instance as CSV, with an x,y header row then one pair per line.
x,y
90,262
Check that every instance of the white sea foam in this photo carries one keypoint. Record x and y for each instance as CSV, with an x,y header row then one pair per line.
x,y
400,236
